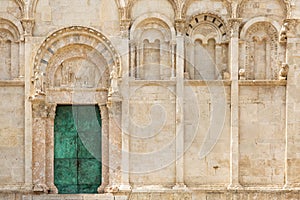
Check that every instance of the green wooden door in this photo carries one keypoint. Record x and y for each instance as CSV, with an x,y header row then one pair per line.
x,y
77,149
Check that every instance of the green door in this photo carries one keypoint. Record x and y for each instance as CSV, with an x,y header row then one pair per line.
x,y
77,149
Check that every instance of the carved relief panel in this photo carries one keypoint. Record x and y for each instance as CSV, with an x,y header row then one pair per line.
x,y
77,72
261,57
74,57
206,48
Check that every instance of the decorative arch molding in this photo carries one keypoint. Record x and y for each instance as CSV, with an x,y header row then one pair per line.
x,y
187,4
261,53
12,24
132,2
217,22
32,8
206,47
21,5
285,4
70,36
256,20
158,18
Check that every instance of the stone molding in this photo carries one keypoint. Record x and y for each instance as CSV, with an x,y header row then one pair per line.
x,y
67,36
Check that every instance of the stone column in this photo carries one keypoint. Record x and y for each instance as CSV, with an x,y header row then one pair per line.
x,y
173,54
39,123
50,149
234,68
179,106
132,58
115,144
218,60
292,156
105,145
21,59
125,186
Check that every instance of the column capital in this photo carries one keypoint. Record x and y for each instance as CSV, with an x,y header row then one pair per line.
x,y
28,25
234,26
180,26
289,29
124,26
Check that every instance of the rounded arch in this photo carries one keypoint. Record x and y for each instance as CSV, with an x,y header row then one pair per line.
x,y
187,3
213,20
31,8
21,5
256,20
12,25
131,3
158,17
285,4
84,36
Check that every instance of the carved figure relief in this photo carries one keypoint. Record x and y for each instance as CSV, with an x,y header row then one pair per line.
x,y
207,48
74,57
113,90
261,49
76,73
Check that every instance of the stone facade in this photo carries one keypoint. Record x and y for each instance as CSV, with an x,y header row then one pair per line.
x,y
198,99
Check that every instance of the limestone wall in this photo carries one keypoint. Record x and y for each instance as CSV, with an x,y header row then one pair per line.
x,y
212,167
12,135
262,138
198,99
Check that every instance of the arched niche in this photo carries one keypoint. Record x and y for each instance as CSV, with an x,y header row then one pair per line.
x,y
60,45
10,41
152,48
206,48
278,9
261,54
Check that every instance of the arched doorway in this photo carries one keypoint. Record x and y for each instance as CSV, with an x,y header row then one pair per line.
x,y
71,74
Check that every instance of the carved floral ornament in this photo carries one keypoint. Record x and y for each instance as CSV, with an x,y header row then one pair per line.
x,y
70,36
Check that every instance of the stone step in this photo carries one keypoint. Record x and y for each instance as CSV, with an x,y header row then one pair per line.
x,y
75,197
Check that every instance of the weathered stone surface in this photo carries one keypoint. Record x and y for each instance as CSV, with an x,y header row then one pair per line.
x,y
198,99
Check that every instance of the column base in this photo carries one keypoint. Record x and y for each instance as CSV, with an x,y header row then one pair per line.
x,y
40,188
234,186
179,186
53,189
125,188
112,189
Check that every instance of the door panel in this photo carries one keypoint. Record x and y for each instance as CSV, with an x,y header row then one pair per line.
x,y
77,149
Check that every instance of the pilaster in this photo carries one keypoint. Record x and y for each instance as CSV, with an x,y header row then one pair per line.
x,y
292,158
234,24
179,106
114,105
